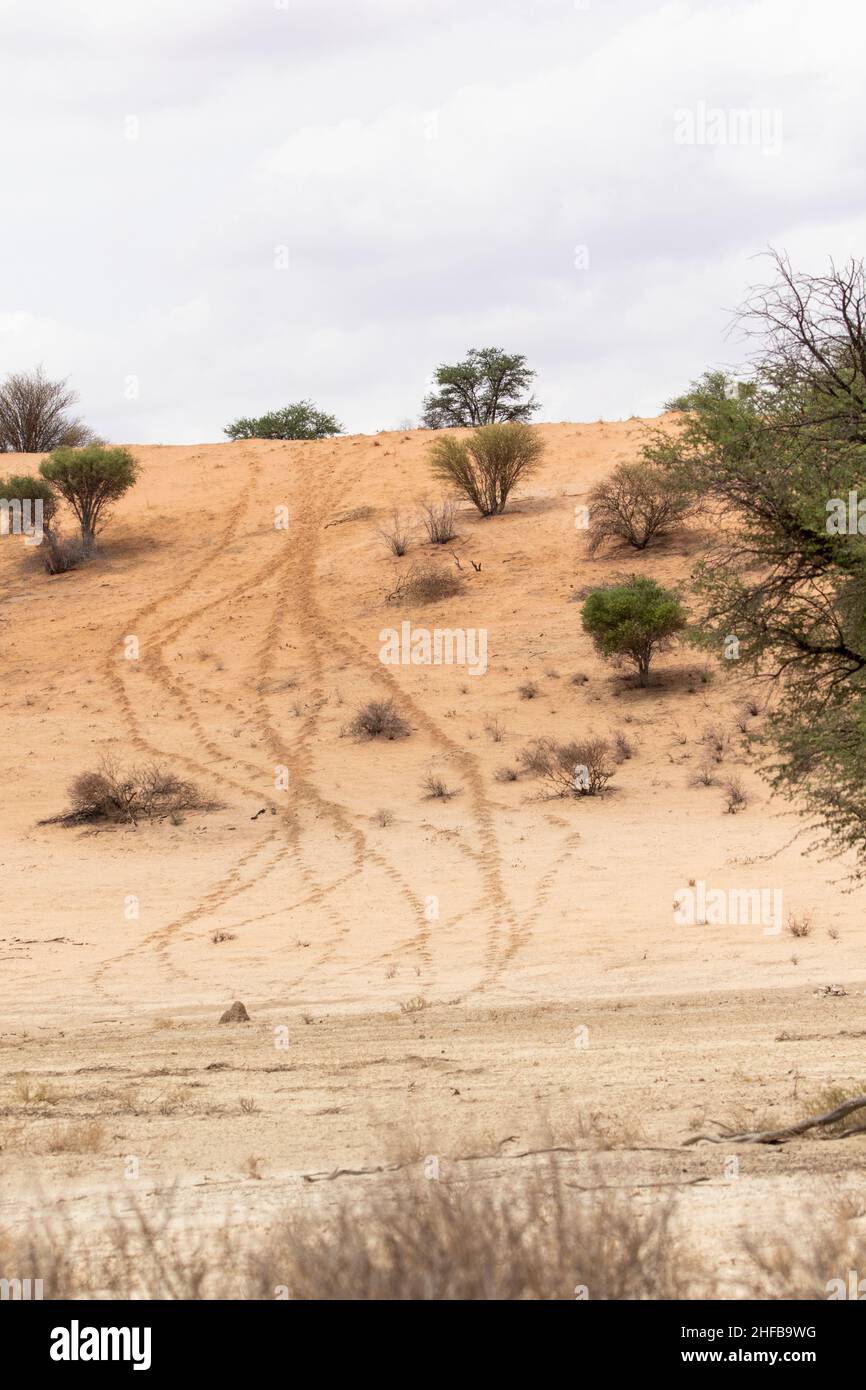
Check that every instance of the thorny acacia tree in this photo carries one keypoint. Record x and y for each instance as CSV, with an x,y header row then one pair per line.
x,y
773,463
488,387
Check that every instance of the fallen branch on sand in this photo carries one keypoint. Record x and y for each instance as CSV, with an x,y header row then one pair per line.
x,y
781,1136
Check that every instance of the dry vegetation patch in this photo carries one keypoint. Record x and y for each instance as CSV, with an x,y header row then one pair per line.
x,y
144,793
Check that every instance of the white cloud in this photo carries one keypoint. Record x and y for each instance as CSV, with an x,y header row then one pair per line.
x,y
430,167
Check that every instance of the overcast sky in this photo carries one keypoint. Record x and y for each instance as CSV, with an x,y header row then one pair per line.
x,y
215,207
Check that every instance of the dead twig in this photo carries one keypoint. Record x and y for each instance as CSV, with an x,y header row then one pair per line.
x,y
781,1136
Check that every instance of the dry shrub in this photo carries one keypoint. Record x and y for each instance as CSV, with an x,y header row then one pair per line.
x,y
145,793
578,768
529,1239
81,1137
434,788
59,554
736,796
425,584
396,537
811,1263
623,748
800,925
636,505
538,1242
717,740
528,690
379,719
148,792
415,1005
534,759
506,774
438,519
704,777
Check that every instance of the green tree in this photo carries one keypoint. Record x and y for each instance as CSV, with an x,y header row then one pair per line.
x,y
90,479
633,621
302,420
488,464
488,387
775,469
24,487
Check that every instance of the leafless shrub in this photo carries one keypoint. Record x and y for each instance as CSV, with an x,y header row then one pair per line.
x,y
736,796
59,554
704,777
425,584
218,937
396,537
379,719
383,818
528,690
635,506
623,748
415,1005
33,415
506,774
534,759
800,923
578,768
434,788
717,740
495,730
149,792
438,519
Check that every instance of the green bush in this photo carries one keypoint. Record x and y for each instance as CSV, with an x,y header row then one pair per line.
x,y
24,487
302,420
633,621
487,465
89,480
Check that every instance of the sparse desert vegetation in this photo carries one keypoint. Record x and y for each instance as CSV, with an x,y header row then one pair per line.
x,y
144,793
575,768
636,507
302,881
489,464
379,719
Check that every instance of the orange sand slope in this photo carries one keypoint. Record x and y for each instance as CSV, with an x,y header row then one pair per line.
x,y
256,645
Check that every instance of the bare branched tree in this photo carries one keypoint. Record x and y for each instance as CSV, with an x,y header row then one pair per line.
x,y
812,332
34,415
635,506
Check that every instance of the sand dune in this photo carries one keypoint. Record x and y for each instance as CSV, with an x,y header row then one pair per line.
x,y
430,965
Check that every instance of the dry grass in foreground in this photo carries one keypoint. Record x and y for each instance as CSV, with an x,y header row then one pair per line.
x,y
419,1240
538,1239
